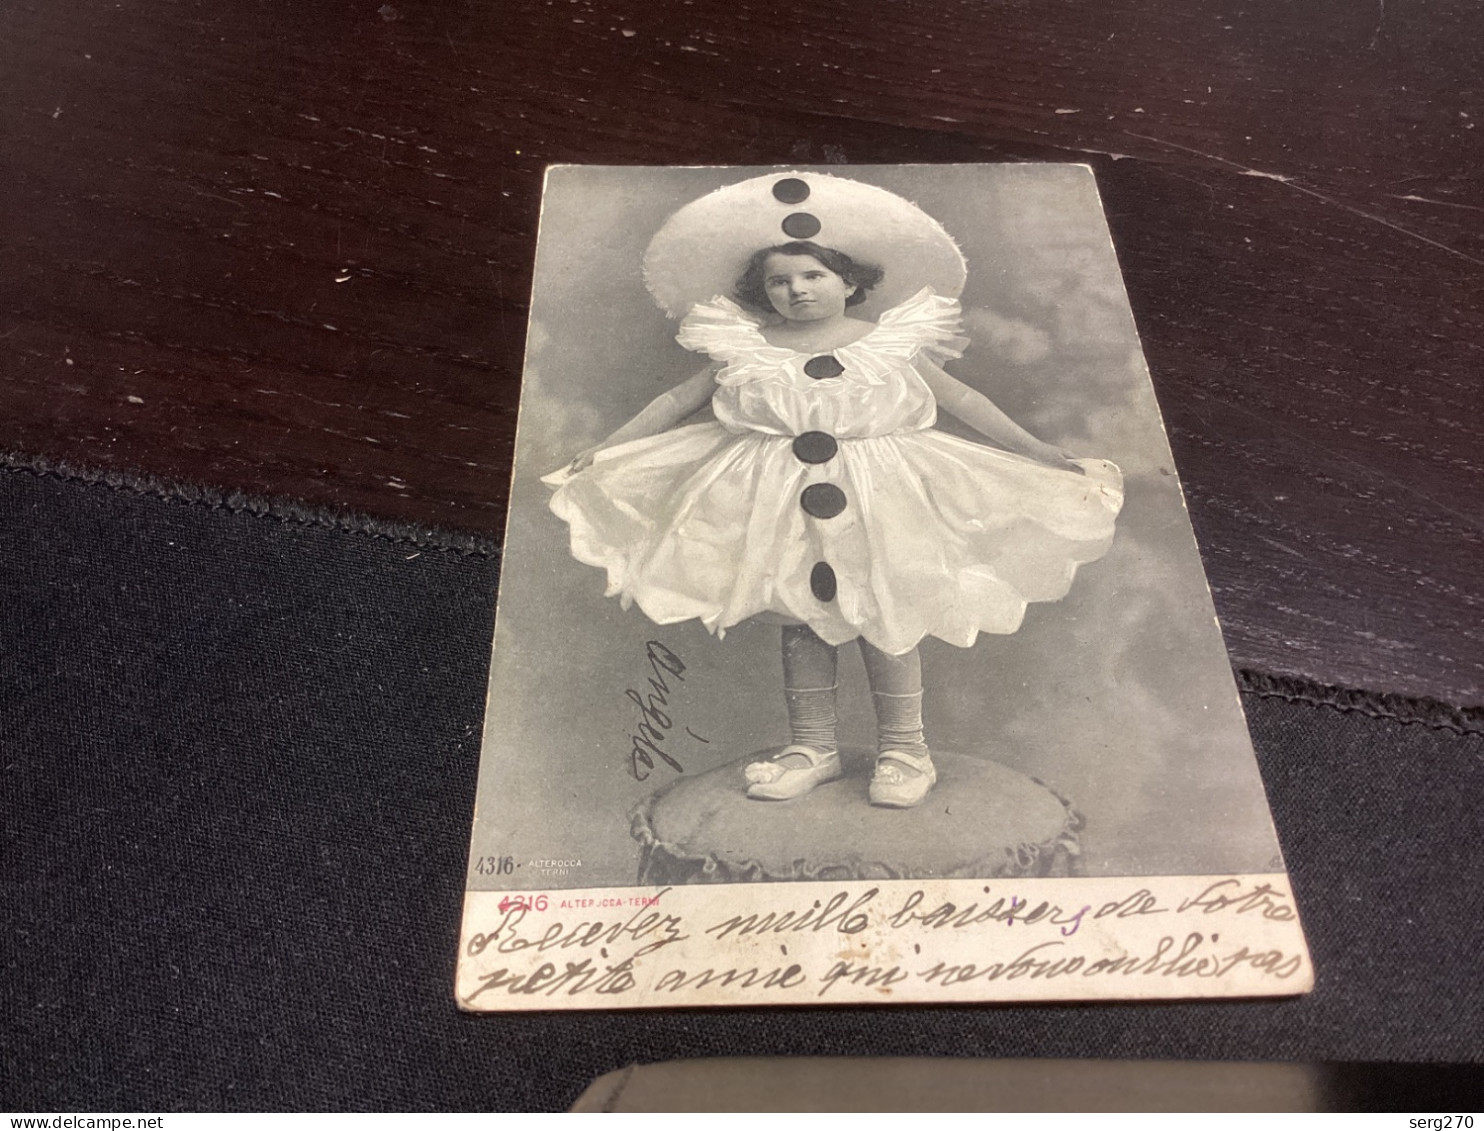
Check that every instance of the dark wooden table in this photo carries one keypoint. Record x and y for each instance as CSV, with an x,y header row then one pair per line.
x,y
285,248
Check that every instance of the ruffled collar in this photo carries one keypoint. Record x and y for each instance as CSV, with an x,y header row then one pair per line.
x,y
730,334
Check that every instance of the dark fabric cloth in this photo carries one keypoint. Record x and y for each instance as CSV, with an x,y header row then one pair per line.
x,y
238,752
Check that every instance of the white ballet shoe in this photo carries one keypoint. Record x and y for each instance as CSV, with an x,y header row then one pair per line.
x,y
778,780
901,779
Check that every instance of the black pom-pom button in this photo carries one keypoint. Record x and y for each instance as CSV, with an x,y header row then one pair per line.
x,y
800,226
822,582
791,190
815,447
822,500
822,367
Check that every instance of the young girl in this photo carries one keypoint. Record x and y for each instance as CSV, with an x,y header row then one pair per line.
x,y
821,498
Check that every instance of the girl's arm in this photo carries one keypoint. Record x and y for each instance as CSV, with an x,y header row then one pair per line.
x,y
980,413
663,413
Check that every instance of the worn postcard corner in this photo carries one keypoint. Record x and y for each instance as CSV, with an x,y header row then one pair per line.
x,y
852,641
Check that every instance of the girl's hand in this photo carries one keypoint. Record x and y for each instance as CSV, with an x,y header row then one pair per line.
x,y
1061,460
1067,461
583,460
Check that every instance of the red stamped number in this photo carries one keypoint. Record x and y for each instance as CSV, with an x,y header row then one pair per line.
x,y
523,903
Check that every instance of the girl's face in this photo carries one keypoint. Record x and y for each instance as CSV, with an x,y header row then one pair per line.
x,y
803,289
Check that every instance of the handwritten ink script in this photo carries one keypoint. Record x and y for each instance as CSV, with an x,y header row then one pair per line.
x,y
647,742
960,940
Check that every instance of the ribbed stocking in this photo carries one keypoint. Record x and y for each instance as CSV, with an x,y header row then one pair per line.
x,y
896,689
809,682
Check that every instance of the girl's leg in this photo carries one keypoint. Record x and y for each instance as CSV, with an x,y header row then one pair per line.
x,y
904,770
809,682
896,687
809,689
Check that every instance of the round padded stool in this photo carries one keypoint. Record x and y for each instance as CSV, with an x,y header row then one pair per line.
x,y
981,820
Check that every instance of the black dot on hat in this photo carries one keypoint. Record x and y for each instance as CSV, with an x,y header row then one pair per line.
x,y
822,582
822,500
815,447
823,367
791,190
800,225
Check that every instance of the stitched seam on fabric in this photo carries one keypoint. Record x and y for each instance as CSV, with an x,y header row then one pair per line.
x,y
239,502
1378,705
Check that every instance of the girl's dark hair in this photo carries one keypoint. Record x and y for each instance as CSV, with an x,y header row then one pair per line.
x,y
752,291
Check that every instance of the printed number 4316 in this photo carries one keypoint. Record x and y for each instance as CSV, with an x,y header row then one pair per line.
x,y
523,903
495,865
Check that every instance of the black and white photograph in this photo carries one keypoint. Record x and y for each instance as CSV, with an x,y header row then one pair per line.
x,y
845,549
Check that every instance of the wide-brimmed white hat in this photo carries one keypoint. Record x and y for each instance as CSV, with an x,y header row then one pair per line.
x,y
702,249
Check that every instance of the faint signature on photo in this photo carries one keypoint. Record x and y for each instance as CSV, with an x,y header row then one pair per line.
x,y
664,672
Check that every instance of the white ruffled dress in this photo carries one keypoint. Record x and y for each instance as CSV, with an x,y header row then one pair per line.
x,y
937,536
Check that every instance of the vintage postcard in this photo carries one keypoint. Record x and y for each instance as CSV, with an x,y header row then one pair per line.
x,y
852,643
